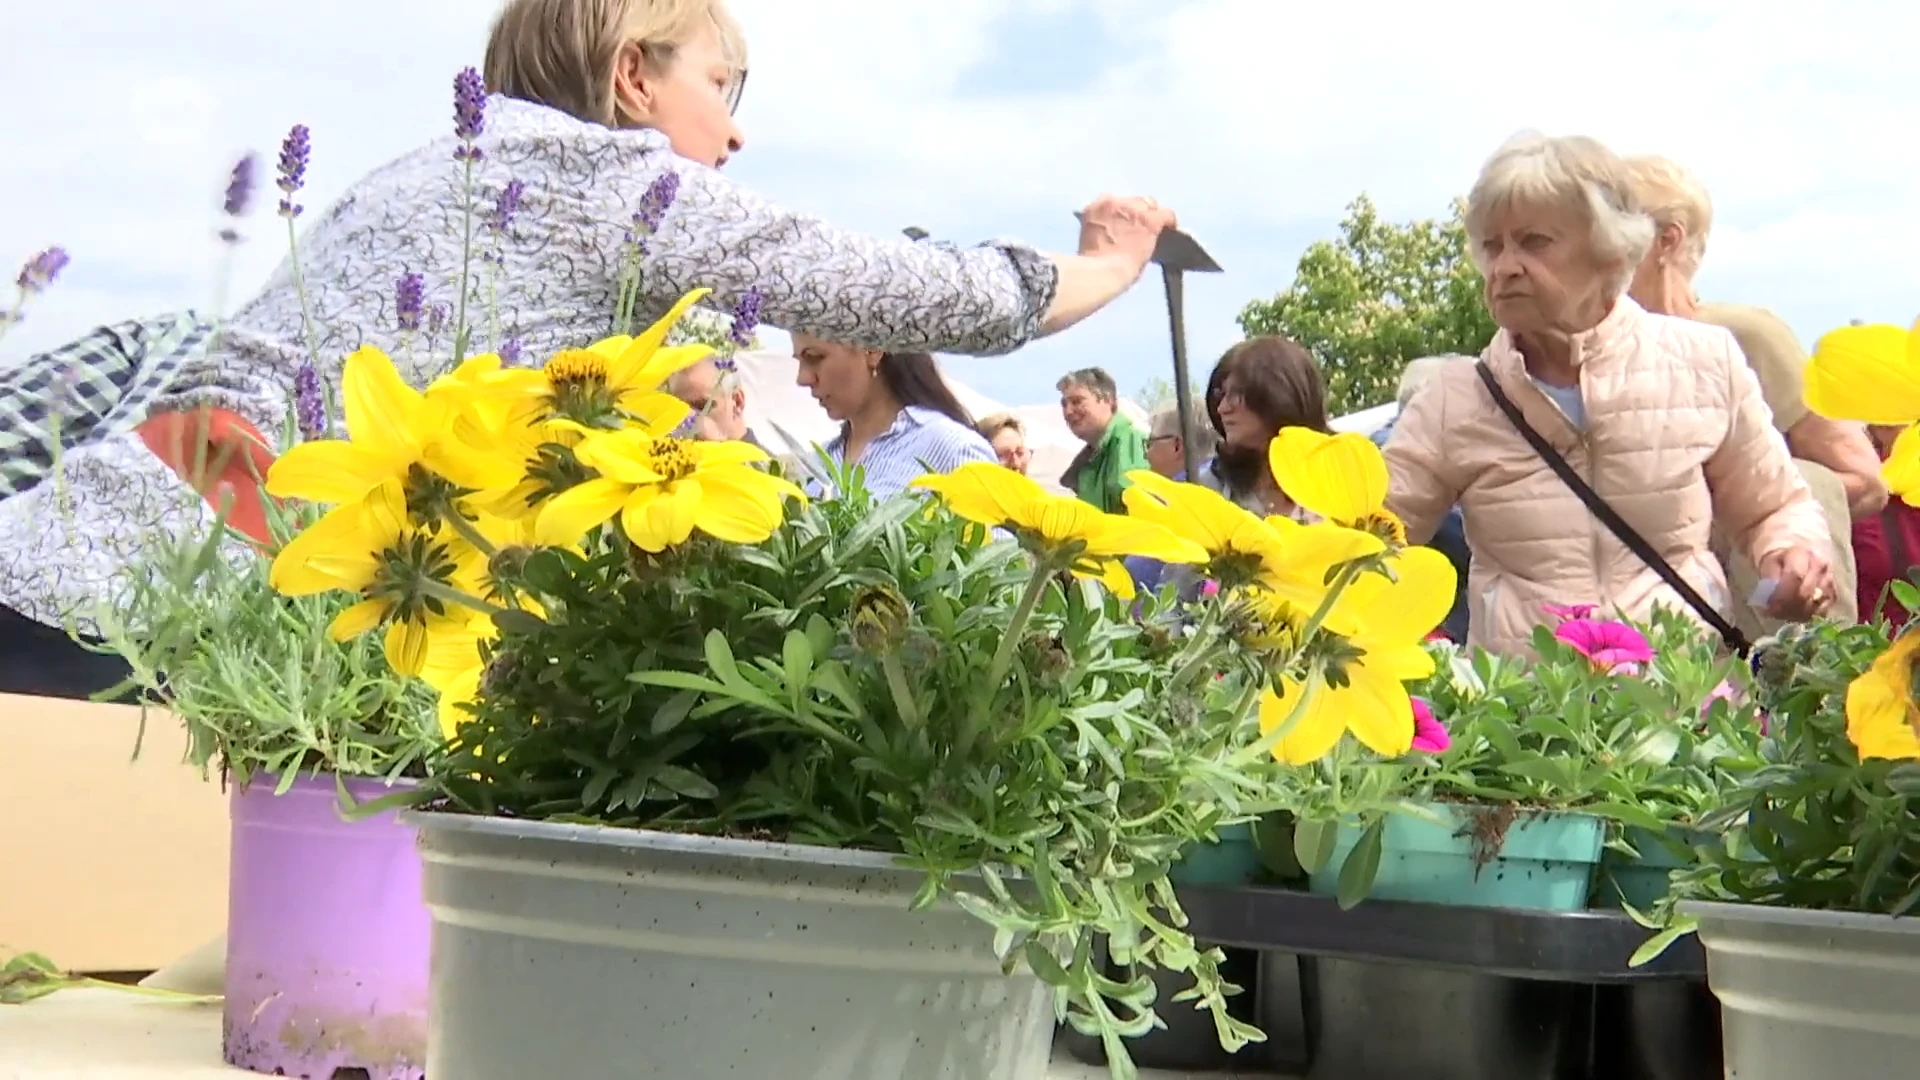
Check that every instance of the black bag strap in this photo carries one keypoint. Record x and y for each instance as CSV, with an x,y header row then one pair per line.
x,y
1728,632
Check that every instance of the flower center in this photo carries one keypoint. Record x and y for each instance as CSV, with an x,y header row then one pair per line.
x,y
671,458
578,390
407,574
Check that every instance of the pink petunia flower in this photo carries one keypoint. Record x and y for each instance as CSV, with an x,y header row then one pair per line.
x,y
1429,735
1209,588
1608,644
1569,612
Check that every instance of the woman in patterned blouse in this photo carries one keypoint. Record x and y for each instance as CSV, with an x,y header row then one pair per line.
x,y
595,101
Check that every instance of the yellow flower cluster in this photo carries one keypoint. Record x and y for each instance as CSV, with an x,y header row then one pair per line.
x,y
1344,605
1871,374
430,488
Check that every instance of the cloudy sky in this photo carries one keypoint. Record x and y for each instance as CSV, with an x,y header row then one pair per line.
x,y
1258,120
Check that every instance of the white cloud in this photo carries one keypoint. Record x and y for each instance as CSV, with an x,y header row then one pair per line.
x,y
1257,120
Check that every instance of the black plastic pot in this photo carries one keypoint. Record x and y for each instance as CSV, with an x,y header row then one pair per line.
x,y
1657,1031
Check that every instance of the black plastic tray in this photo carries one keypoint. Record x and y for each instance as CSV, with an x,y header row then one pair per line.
x,y
1579,947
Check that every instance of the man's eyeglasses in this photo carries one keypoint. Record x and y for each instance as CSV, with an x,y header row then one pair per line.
x,y
1151,439
736,87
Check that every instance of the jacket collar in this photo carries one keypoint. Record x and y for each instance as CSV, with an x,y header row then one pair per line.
x,y
1598,348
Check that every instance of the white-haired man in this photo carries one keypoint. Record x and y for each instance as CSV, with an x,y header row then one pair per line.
x,y
718,400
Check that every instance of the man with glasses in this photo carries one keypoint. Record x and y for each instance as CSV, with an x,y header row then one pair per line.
x,y
1166,446
1089,403
718,400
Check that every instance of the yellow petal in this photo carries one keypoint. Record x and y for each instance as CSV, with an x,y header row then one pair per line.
x,y
1341,477
356,620
1400,611
985,492
379,404
329,471
572,514
729,452
406,646
336,552
653,412
1377,711
1190,511
661,517
739,505
1880,711
664,362
1865,373
626,366
454,650
1901,470
459,692
1110,573
626,456
1312,731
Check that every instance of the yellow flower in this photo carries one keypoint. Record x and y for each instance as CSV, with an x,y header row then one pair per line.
x,y
453,667
664,488
392,431
1278,552
1866,373
997,496
1342,477
1382,623
1882,721
399,569
611,383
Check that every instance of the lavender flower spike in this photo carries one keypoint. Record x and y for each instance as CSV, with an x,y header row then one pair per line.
x,y
656,201
239,194
409,301
510,352
39,271
469,112
505,205
309,407
293,168
746,318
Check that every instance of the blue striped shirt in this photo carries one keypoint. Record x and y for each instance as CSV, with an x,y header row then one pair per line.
x,y
919,442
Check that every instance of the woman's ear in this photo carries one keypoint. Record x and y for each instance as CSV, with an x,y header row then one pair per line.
x,y
1670,239
633,86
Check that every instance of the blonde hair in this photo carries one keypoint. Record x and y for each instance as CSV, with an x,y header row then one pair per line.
x,y
999,422
1565,170
1674,196
562,53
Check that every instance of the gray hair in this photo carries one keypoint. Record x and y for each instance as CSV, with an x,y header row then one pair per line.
x,y
1093,380
726,380
1166,421
1565,170
1672,195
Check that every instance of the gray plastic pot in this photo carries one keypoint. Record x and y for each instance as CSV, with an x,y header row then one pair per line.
x,y
573,952
1813,993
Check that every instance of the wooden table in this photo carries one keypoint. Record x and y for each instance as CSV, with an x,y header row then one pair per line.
x,y
104,1035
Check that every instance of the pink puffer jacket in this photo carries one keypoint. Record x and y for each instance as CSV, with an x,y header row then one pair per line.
x,y
1676,437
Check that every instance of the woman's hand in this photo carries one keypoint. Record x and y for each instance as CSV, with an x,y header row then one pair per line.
x,y
1123,228
1803,583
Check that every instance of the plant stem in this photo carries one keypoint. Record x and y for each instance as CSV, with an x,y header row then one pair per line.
x,y
1340,583
458,523
451,595
1043,571
460,329
903,699
307,323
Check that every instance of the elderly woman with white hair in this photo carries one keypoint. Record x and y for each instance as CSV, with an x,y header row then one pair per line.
x,y
1593,444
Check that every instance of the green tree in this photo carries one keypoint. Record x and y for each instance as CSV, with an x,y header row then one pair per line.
x,y
1380,295
1158,394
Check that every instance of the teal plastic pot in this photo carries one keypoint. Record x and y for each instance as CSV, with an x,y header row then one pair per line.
x,y
1233,860
1642,882
1479,856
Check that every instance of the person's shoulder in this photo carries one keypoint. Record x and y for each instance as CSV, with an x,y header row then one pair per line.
x,y
1687,341
1762,334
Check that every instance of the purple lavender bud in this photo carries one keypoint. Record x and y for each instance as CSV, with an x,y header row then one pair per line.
x,y
686,428
240,186
409,300
293,167
39,271
746,318
469,112
505,205
437,316
309,407
657,200
510,352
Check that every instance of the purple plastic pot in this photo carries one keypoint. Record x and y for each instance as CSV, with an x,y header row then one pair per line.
x,y
327,937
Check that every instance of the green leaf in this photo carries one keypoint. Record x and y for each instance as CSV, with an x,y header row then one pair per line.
x,y
1313,843
678,680
1041,961
797,660
1362,865
720,661
674,712
1655,746
686,784
1651,949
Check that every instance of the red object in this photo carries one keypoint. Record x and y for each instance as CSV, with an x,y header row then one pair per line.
x,y
219,455
1881,557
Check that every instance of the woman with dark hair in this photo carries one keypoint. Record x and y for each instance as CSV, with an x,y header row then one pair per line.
x,y
898,418
1259,386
